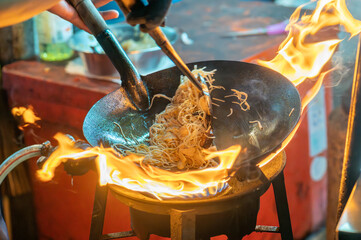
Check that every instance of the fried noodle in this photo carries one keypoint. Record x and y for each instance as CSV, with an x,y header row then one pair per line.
x,y
180,133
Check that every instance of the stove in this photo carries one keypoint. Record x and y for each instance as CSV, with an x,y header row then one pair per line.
x,y
232,212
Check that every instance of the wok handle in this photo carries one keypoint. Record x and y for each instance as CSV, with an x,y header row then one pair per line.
x,y
130,77
163,42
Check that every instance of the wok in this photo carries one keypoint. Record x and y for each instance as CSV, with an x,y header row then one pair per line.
x,y
274,102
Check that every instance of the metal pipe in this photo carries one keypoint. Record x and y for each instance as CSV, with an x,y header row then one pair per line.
x,y
20,156
352,155
11,162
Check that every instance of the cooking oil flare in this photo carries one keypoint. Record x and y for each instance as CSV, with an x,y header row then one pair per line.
x,y
25,116
143,177
299,60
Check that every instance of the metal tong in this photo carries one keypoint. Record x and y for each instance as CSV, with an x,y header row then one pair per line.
x,y
131,79
167,48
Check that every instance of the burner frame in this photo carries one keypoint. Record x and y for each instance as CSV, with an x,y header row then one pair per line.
x,y
183,212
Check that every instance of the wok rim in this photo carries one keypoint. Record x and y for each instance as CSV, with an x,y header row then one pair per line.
x,y
257,159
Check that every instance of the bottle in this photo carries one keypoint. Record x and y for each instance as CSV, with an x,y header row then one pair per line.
x,y
53,35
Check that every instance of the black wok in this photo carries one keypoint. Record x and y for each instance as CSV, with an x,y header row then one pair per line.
x,y
274,102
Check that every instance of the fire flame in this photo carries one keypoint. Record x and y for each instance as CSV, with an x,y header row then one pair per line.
x,y
145,178
297,59
25,116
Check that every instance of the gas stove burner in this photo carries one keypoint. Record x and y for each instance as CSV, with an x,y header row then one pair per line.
x,y
233,213
236,222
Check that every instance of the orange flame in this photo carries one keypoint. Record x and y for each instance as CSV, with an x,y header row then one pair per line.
x,y
297,59
145,178
25,116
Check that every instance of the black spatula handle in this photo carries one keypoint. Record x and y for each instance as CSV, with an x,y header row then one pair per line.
x,y
162,41
131,79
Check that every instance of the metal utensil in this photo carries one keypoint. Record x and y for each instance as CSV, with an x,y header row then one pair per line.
x,y
164,44
131,80
274,102
146,60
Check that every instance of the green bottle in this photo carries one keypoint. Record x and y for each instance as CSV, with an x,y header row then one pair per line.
x,y
53,35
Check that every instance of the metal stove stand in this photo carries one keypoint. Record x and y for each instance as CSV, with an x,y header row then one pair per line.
x,y
183,222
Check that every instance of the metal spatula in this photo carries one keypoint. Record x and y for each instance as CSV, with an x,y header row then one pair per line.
x,y
132,82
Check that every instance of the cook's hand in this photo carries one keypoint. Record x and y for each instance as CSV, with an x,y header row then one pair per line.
x,y
67,12
149,16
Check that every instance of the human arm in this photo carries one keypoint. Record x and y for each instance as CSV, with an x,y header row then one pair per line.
x,y
16,11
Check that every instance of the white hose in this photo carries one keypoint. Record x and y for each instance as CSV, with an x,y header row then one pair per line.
x,y
18,157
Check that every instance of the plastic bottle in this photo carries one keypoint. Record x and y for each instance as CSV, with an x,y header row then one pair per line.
x,y
53,34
